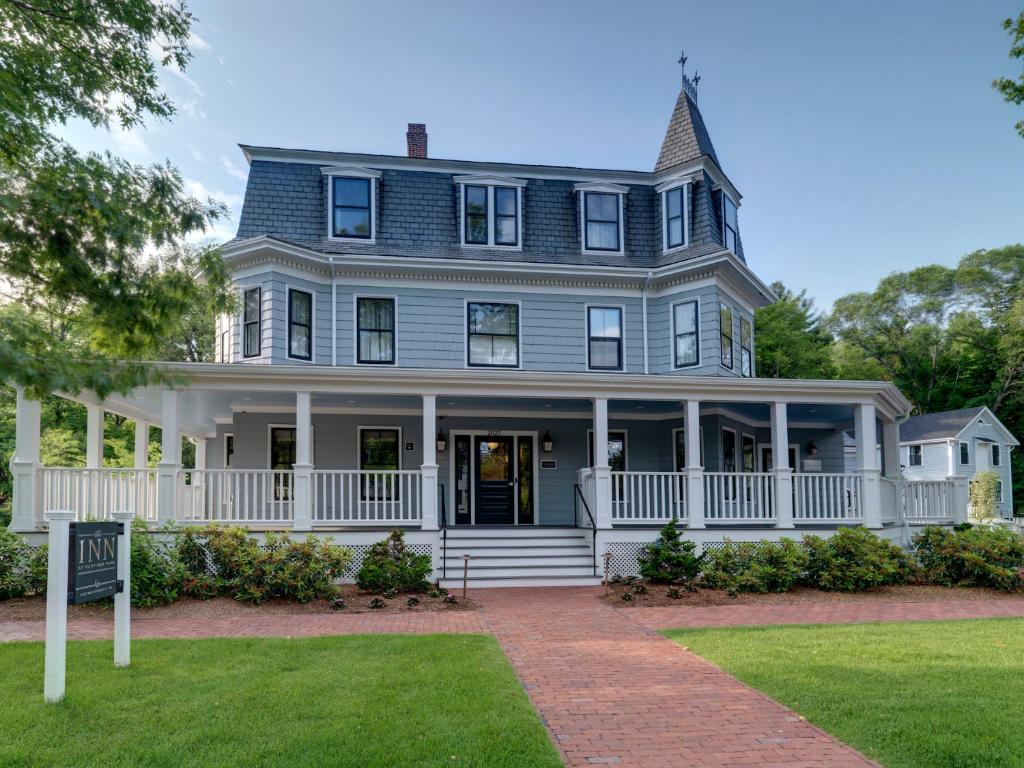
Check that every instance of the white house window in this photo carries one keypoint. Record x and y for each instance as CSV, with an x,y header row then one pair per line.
x,y
746,345
229,449
995,455
379,455
300,324
491,211
674,206
684,320
965,453
730,229
224,339
725,315
616,450
604,338
999,491
251,332
914,458
375,330
351,203
492,332
601,216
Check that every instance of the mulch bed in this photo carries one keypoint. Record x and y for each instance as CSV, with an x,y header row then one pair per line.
x,y
656,596
356,601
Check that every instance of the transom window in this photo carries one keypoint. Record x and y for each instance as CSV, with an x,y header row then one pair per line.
x,y
965,453
300,324
730,228
379,451
725,319
375,330
675,217
746,355
351,201
601,221
685,330
915,457
491,210
492,332
604,338
251,333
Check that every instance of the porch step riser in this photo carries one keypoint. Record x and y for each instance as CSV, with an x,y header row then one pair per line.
x,y
522,532
488,541
551,561
517,571
537,581
458,551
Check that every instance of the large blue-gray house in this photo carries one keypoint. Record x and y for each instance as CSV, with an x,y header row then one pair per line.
x,y
440,345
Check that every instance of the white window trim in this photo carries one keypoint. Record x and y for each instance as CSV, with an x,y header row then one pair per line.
x,y
355,328
224,457
288,323
359,442
795,447
664,189
625,445
753,371
672,343
721,450
735,205
622,335
490,182
682,429
920,454
732,335
270,436
960,455
581,191
241,323
351,172
753,442
465,334
995,449
471,433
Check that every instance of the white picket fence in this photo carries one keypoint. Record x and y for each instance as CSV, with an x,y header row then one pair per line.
x,y
928,501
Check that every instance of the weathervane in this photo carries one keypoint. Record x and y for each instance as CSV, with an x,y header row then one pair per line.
x,y
689,83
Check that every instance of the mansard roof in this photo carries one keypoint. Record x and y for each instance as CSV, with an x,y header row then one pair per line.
x,y
686,138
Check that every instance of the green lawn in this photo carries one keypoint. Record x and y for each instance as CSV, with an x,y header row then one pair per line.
x,y
910,695
382,700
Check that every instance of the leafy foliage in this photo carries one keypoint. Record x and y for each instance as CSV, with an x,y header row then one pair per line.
x,y
1013,90
854,559
792,340
156,574
22,567
390,564
983,495
669,559
980,556
761,566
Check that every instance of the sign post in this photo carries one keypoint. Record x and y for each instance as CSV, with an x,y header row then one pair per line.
x,y
56,605
123,599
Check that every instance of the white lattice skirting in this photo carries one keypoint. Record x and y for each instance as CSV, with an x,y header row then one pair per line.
x,y
625,553
359,554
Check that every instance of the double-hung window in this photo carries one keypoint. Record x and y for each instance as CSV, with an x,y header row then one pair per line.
x,y
491,210
730,228
601,220
674,205
604,338
965,453
725,320
685,330
492,334
375,330
996,458
300,324
746,345
506,216
379,459
251,332
914,456
476,207
352,215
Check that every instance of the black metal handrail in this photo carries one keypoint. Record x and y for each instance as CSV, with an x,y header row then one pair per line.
x,y
576,499
442,521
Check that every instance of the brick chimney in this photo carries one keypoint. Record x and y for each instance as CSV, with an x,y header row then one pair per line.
x,y
416,138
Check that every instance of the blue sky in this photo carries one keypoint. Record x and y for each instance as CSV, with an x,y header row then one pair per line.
x,y
865,137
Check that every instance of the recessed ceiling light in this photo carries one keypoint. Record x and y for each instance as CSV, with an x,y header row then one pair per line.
x,y
352,402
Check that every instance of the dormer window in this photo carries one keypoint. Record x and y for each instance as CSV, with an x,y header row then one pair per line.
x,y
675,214
491,211
351,203
601,217
730,229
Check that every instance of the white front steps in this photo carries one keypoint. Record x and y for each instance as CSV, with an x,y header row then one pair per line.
x,y
518,557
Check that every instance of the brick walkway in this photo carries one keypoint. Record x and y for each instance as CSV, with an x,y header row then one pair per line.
x,y
608,687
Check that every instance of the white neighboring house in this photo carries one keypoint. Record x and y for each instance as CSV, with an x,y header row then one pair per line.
x,y
961,443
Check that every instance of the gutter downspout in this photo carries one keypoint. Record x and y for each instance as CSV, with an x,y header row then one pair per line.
x,y
334,314
643,305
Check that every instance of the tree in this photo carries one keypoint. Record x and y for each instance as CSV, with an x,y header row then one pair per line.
x,y
75,229
1013,90
792,342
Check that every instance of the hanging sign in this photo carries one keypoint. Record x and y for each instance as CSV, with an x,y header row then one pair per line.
x,y
92,561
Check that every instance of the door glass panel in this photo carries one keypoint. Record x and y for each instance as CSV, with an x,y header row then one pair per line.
x,y
462,486
525,480
282,456
493,460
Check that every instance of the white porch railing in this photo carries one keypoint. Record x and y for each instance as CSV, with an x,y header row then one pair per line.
x,y
354,496
890,496
251,496
826,497
739,497
647,497
97,493
928,501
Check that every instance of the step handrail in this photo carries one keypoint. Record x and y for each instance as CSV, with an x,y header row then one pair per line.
x,y
443,522
578,497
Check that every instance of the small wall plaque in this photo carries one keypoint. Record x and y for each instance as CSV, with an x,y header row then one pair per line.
x,y
812,465
410,446
549,464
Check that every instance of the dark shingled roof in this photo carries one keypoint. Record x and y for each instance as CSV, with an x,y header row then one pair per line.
x,y
935,426
687,137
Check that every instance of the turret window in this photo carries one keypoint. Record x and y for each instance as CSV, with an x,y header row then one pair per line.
x,y
730,228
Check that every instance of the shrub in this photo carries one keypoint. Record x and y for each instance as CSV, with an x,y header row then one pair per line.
x,y
389,564
982,493
412,602
156,574
22,566
215,559
984,556
377,603
762,566
669,559
854,559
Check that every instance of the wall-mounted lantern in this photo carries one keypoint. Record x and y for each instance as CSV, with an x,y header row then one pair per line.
x,y
812,448
442,443
547,443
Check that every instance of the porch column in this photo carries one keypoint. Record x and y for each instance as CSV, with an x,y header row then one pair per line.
x,y
141,444
602,472
780,465
867,465
302,512
891,449
201,453
93,437
428,469
170,459
694,469
25,463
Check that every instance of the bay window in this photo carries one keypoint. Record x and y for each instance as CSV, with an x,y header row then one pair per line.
x,y
725,320
252,340
746,347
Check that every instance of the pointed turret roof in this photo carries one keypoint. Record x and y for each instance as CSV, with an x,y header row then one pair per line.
x,y
687,137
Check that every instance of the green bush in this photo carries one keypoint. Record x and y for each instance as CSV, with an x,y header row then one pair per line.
x,y
981,556
669,559
982,495
156,574
22,566
854,559
762,566
215,559
389,564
